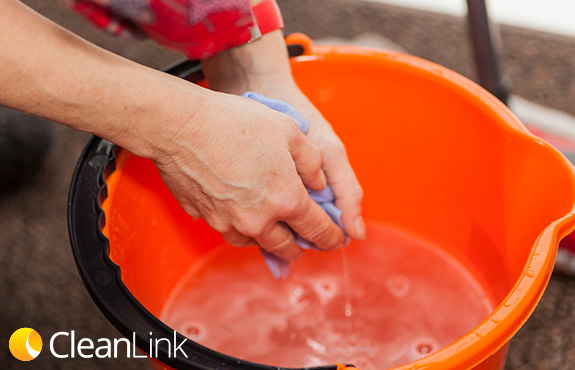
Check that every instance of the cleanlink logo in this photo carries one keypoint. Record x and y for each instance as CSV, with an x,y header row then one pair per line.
x,y
25,344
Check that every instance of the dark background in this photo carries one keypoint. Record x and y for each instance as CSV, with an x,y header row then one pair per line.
x,y
39,284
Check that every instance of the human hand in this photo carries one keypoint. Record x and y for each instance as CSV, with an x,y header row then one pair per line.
x,y
244,168
263,67
338,171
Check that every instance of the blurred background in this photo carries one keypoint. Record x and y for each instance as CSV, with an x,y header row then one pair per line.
x,y
39,285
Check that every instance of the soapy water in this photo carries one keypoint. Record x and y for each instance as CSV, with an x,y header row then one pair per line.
x,y
402,299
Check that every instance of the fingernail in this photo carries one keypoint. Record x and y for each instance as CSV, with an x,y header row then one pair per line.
x,y
359,228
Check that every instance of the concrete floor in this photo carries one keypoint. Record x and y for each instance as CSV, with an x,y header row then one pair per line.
x,y
39,284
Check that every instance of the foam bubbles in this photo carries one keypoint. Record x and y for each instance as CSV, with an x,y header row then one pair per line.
x,y
422,347
398,285
409,299
194,330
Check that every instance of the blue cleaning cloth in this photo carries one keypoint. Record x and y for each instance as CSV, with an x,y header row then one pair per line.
x,y
325,198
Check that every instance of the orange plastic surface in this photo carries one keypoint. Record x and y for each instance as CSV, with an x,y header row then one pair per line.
x,y
437,156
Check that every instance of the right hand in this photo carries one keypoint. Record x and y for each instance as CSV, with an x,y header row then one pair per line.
x,y
243,168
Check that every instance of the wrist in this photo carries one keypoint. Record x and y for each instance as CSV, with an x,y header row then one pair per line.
x,y
149,112
168,119
250,67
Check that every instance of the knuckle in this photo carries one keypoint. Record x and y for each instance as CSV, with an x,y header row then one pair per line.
x,y
238,240
293,132
251,227
290,124
336,148
219,225
339,149
286,205
191,211
338,145
357,192
319,234
279,247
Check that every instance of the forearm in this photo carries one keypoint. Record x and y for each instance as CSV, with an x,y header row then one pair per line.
x,y
52,73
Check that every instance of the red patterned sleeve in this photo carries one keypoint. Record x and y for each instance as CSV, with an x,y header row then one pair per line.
x,y
100,16
197,28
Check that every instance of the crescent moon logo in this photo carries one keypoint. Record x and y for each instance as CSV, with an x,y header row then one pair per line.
x,y
25,344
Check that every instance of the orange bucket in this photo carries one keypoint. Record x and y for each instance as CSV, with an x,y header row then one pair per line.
x,y
438,157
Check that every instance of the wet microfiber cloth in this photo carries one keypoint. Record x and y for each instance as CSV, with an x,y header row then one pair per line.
x,y
325,198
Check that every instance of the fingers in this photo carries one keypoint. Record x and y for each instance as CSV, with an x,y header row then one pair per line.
x,y
280,241
348,193
235,238
308,162
312,223
191,210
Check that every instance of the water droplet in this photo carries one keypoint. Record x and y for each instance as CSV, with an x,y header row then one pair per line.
x,y
326,290
529,273
303,298
507,304
423,347
348,312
